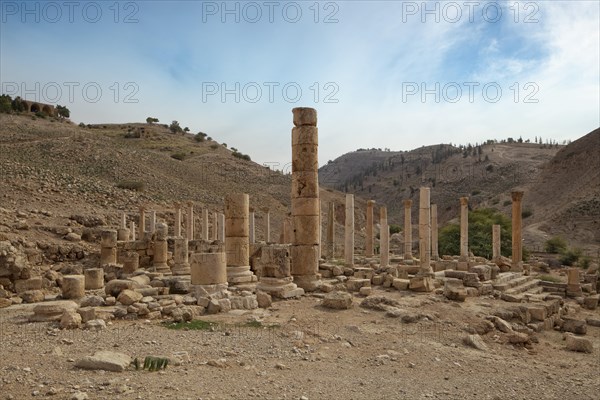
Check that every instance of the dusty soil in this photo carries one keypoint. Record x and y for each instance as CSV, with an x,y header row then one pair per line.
x,y
312,353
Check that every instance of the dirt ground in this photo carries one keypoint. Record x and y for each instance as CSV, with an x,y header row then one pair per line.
x,y
302,351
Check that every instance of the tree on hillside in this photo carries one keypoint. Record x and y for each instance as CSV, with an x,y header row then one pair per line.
x,y
63,111
18,105
174,127
151,120
5,103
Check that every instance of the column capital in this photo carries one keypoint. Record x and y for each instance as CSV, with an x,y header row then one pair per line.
x,y
516,195
464,201
371,203
407,203
190,203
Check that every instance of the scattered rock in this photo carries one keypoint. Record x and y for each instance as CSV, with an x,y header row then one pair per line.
x,y
70,320
476,342
105,360
338,300
127,297
576,343
264,299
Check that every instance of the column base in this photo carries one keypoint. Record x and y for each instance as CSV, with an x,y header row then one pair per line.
x,y
282,288
162,268
516,267
181,269
239,275
309,283
218,291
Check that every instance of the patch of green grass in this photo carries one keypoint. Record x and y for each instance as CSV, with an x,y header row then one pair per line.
x,y
194,325
259,324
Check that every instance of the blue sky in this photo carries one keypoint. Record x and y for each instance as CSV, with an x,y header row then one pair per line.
x,y
383,74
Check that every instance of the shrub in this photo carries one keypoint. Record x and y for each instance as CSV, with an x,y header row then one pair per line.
x,y
242,156
5,104
81,125
179,156
200,137
506,203
555,245
526,213
570,256
132,185
475,192
480,234
585,262
41,114
175,128
214,146
395,229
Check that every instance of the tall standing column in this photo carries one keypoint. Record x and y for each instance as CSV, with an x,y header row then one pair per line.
x,y
142,222
464,229
181,265
330,244
305,200
425,231
132,229
189,225
215,235
517,241
349,231
370,237
221,228
237,243
177,229
152,221
252,230
407,231
267,225
384,237
123,233
108,247
435,255
161,250
205,224
496,243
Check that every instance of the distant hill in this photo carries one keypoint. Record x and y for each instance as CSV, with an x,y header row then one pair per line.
x,y
486,174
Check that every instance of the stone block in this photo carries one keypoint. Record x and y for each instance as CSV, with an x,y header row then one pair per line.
x,y
401,284
128,297
73,286
338,300
574,326
591,302
23,285
354,285
105,360
576,343
304,116
422,284
94,278
87,314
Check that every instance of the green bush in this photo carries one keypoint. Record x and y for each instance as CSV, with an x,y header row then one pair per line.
x,y
132,185
395,229
555,245
480,234
242,156
570,257
214,146
506,203
41,114
179,156
526,213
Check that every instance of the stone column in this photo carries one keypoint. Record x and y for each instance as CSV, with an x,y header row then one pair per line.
x,y
123,233
142,222
131,262
181,264
330,243
464,229
215,224
349,231
384,238
425,231
189,226
221,228
205,224
267,225
370,237
94,278
237,244
161,253
407,231
177,229
517,242
108,247
286,230
252,232
132,230
73,286
496,243
305,200
573,283
208,275
435,255
152,221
